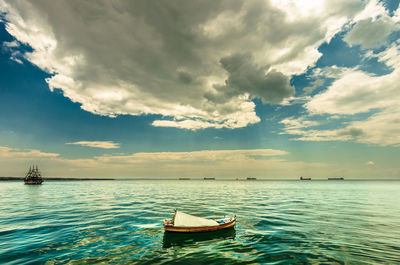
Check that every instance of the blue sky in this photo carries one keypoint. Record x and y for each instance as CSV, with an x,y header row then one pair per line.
x,y
272,91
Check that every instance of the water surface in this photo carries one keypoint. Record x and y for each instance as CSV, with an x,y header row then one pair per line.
x,y
119,222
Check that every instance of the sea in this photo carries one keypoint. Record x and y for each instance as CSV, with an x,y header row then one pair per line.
x,y
278,222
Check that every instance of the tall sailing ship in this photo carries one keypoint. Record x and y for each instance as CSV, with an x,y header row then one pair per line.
x,y
33,177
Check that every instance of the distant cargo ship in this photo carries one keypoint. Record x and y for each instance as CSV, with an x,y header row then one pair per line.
x,y
209,178
304,178
335,178
33,177
251,178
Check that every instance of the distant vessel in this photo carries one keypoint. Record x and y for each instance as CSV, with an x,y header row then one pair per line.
x,y
304,178
251,178
209,178
335,178
33,177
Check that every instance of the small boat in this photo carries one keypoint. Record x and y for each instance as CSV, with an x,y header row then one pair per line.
x,y
33,177
304,178
186,223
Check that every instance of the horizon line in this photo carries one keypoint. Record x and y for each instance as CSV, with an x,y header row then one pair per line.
x,y
4,178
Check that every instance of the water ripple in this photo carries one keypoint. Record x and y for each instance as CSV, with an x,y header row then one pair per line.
x,y
119,222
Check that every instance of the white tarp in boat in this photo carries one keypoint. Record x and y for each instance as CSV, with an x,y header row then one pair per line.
x,y
187,220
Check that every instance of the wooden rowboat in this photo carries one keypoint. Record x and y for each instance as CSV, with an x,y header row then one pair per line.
x,y
186,223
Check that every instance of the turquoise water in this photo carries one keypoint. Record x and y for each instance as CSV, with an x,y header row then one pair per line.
x,y
279,222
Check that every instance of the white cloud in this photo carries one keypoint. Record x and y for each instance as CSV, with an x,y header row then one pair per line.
x,y
175,58
333,71
354,92
185,124
297,123
373,9
11,44
196,156
294,100
371,34
313,85
301,128
97,144
372,26
11,47
382,128
344,134
7,153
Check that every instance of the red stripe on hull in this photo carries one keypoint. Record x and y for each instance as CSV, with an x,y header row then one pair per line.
x,y
181,229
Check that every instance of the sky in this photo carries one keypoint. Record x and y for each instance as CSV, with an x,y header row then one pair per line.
x,y
227,89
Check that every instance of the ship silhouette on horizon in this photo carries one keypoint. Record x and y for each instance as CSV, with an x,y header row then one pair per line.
x,y
33,177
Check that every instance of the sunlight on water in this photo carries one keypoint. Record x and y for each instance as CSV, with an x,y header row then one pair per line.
x,y
120,222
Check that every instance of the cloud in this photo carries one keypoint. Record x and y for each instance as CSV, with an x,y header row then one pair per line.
x,y
245,77
357,92
297,123
235,113
11,47
351,132
219,163
261,163
373,26
11,44
382,128
198,65
97,144
315,84
294,100
204,156
301,128
7,153
371,33
332,71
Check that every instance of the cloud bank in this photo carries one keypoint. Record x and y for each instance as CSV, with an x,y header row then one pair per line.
x,y
196,164
229,164
199,65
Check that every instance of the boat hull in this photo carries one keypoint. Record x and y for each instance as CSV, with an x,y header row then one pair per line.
x,y
38,182
182,229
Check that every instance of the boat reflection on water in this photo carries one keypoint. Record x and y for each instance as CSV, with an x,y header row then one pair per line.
x,y
172,239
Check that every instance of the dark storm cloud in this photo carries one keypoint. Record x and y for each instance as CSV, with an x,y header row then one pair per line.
x,y
199,61
245,77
